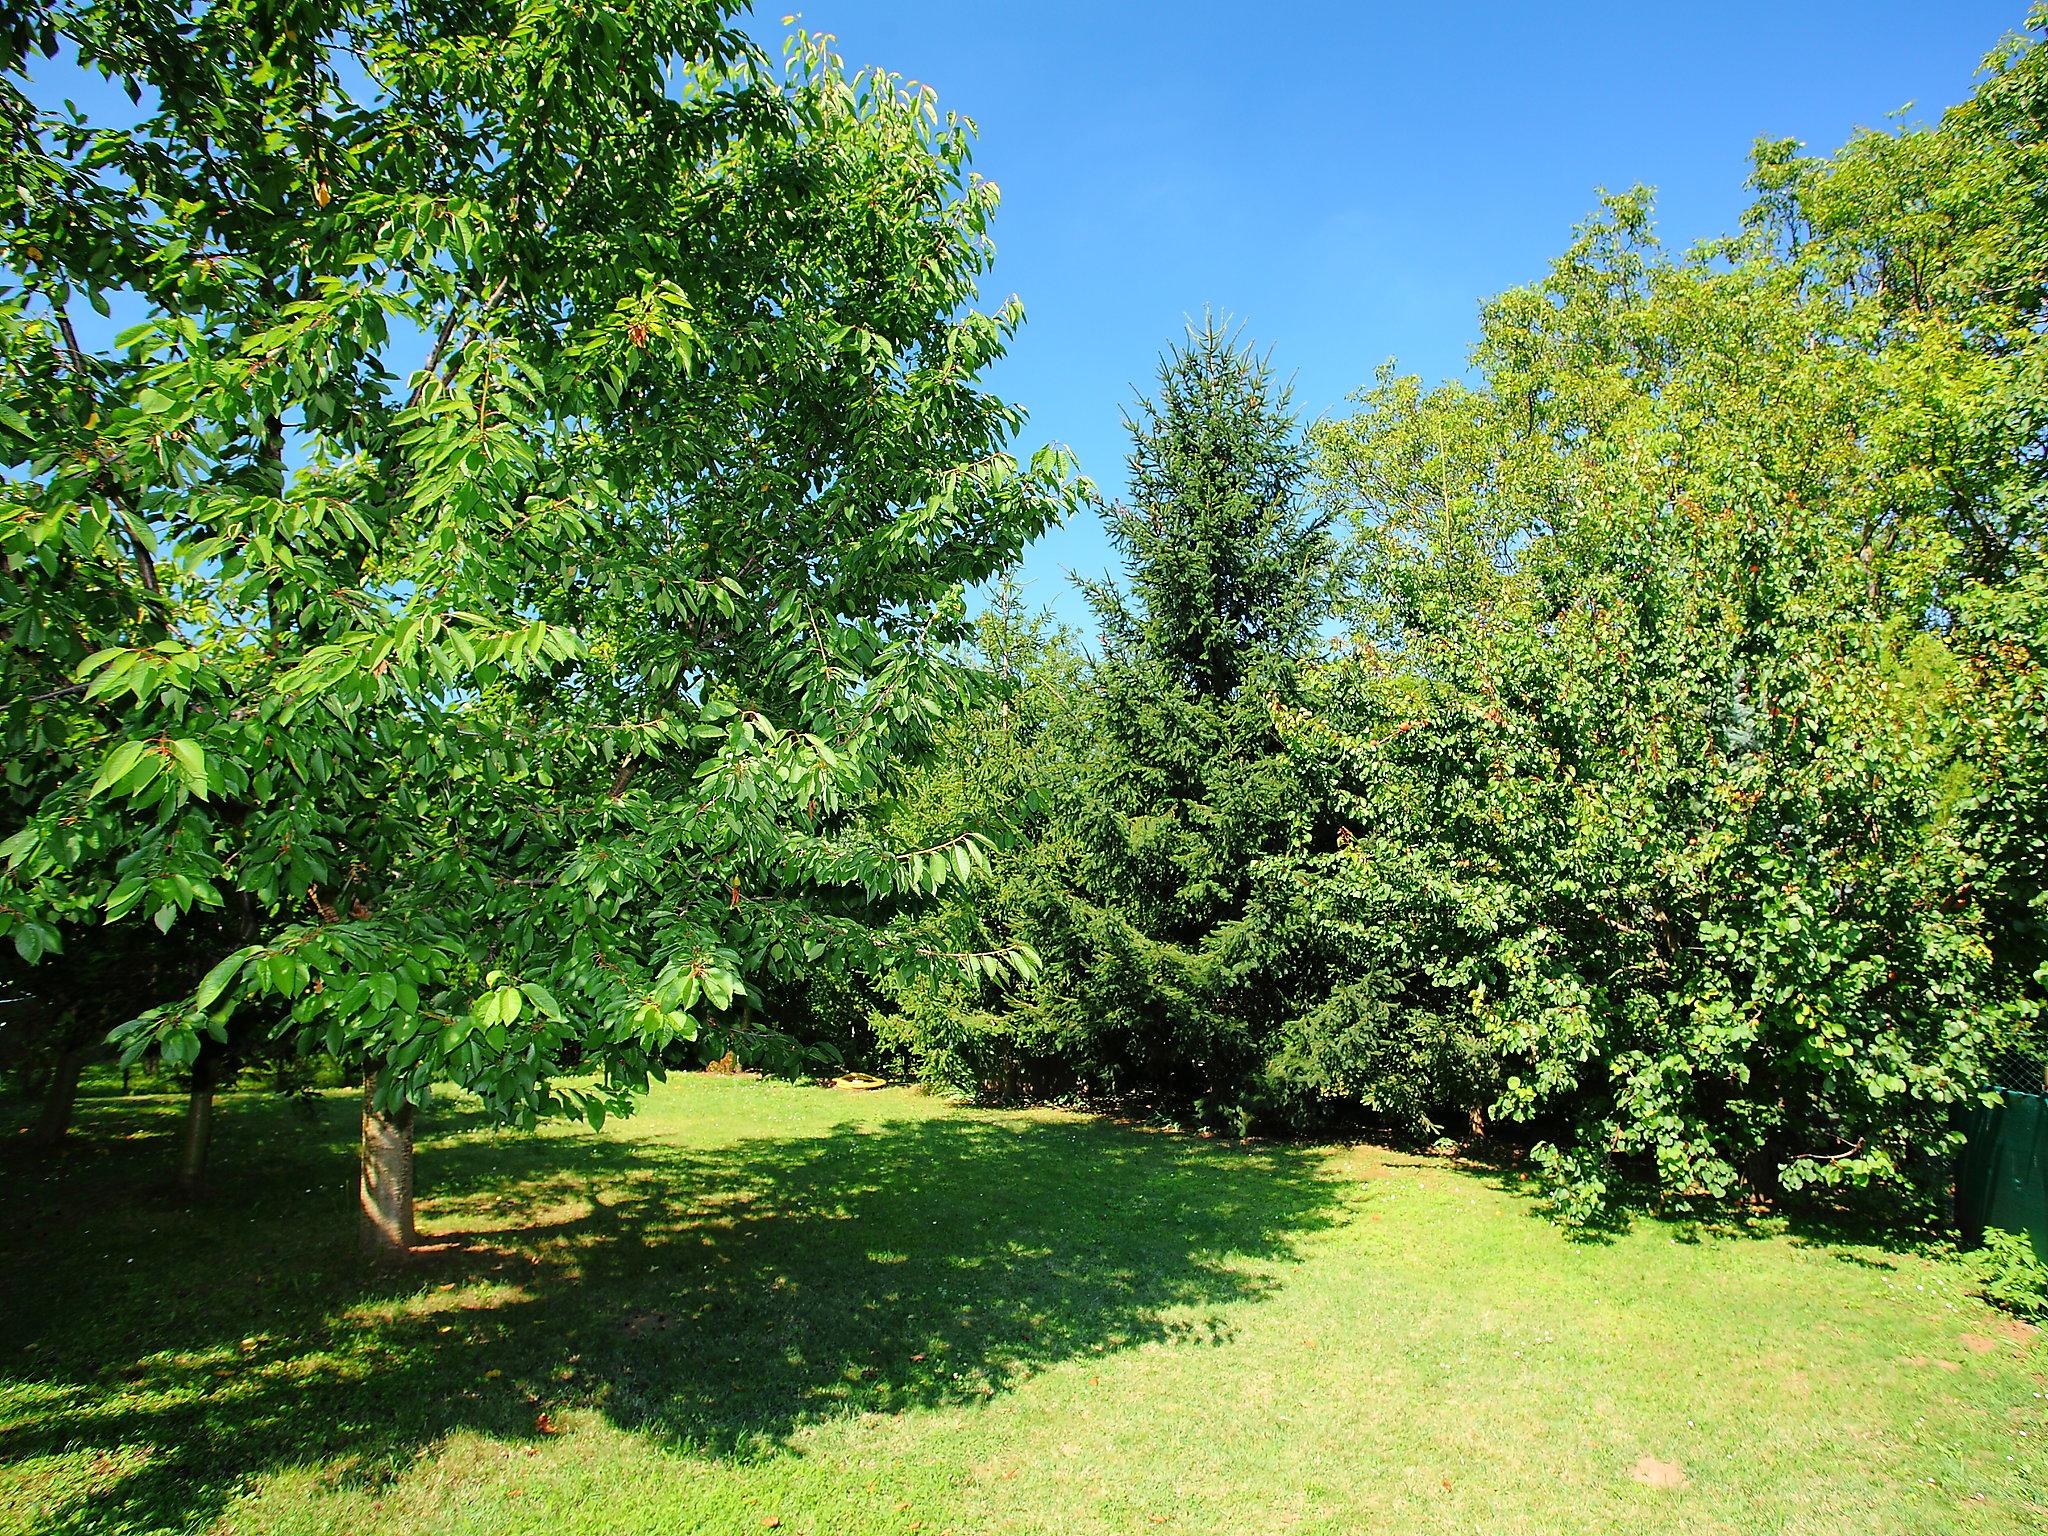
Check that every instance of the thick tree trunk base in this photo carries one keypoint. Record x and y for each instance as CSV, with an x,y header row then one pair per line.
x,y
59,1099
385,1193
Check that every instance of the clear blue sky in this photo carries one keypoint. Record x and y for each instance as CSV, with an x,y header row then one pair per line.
x,y
1351,180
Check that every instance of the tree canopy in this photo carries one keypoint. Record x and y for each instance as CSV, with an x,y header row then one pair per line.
x,y
1666,796
509,513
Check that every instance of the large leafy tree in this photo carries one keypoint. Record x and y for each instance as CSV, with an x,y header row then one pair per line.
x,y
1651,737
1940,239
510,530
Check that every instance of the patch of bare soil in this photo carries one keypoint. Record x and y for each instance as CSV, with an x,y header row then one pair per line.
x,y
1652,1473
2018,1330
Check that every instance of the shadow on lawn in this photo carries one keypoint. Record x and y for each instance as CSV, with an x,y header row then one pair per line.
x,y
716,1299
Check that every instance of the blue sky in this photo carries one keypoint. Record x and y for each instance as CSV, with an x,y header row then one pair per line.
x,y
1351,180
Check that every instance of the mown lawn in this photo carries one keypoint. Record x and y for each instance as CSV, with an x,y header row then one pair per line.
x,y
756,1307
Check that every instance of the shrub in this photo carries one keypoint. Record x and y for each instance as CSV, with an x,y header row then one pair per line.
x,y
2010,1274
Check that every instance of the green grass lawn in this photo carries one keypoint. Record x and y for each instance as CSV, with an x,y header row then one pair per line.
x,y
756,1306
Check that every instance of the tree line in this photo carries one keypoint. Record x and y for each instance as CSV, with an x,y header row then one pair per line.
x,y
490,494
1638,748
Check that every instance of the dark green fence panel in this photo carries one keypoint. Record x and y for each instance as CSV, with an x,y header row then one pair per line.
x,y
2003,1178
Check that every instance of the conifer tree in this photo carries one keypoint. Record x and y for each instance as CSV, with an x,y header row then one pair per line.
x,y
1145,925
1227,571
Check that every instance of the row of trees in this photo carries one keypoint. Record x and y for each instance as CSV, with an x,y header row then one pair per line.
x,y
1641,745
487,491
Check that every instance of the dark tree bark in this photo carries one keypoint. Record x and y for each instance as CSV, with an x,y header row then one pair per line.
x,y
386,1190
60,1096
198,1136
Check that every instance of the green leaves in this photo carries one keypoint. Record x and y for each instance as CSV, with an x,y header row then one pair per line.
x,y
134,766
17,428
191,763
477,594
959,861
217,980
122,762
33,940
544,1000
501,1005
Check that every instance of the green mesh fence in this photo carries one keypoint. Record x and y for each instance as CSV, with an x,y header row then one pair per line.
x,y
2022,1071
2002,1180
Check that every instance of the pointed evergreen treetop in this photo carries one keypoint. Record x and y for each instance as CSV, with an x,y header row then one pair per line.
x,y
1226,566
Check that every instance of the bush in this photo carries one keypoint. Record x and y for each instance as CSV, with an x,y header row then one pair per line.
x,y
2010,1274
1362,1049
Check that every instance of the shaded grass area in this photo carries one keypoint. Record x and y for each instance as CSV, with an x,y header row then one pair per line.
x,y
713,1296
757,1303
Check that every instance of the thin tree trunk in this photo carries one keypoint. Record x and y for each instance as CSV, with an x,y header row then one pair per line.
x,y
386,1189
60,1097
198,1135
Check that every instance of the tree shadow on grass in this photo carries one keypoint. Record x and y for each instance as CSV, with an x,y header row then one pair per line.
x,y
716,1299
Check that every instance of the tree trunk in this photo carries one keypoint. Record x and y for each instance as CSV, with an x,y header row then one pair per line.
x,y
386,1190
60,1097
198,1128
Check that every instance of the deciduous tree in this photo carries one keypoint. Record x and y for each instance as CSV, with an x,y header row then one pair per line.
x,y
510,528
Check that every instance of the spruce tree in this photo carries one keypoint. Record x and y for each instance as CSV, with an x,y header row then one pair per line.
x,y
1227,572
1151,955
